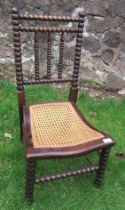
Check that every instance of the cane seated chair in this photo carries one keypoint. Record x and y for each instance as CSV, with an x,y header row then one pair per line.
x,y
54,129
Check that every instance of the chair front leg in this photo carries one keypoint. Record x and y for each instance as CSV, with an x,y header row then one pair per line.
x,y
30,179
102,165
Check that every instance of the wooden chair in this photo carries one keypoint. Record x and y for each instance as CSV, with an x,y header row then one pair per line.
x,y
56,129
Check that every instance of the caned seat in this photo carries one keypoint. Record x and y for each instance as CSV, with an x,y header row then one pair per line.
x,y
59,125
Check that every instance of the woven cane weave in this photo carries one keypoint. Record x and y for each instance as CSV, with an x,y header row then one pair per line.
x,y
58,125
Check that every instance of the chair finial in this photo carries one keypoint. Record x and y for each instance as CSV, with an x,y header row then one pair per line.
x,y
14,10
81,15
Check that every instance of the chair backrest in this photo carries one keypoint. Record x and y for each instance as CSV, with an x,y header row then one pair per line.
x,y
19,27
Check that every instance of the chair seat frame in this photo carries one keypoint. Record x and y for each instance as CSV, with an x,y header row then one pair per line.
x,y
40,153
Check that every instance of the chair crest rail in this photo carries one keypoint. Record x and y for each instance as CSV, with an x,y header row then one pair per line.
x,y
48,17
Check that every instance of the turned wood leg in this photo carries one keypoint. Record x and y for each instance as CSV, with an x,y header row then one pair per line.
x,y
21,133
102,165
30,178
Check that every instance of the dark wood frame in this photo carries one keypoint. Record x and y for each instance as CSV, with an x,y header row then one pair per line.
x,y
32,154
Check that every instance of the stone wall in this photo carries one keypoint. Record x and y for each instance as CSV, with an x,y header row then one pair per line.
x,y
103,51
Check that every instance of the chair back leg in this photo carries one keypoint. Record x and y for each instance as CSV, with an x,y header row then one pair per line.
x,y
30,180
102,165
